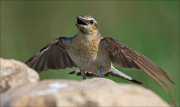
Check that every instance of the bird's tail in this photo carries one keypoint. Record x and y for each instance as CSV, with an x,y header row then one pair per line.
x,y
117,73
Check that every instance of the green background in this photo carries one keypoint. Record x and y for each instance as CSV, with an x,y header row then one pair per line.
x,y
150,27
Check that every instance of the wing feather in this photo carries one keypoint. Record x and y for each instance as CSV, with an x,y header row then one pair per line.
x,y
128,58
51,56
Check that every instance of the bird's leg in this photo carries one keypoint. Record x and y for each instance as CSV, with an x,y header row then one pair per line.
x,y
83,74
101,72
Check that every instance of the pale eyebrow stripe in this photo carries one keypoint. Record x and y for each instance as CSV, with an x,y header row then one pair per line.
x,y
90,18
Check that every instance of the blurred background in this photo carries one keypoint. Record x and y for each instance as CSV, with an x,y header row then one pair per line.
x,y
150,27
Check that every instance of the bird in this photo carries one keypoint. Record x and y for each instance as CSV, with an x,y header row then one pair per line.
x,y
95,55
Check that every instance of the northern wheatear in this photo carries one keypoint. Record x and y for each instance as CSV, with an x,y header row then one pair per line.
x,y
93,54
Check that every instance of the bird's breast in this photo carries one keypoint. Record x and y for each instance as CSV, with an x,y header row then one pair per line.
x,y
84,54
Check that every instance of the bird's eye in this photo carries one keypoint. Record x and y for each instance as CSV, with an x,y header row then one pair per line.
x,y
91,21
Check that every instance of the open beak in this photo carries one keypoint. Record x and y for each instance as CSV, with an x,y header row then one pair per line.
x,y
81,21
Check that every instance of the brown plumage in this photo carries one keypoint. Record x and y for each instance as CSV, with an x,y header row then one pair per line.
x,y
128,58
92,54
51,56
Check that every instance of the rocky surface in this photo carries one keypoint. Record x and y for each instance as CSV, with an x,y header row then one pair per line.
x,y
14,73
20,88
91,92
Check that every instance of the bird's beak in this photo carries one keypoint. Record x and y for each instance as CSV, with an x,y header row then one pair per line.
x,y
81,21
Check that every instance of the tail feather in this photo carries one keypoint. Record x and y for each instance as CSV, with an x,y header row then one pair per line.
x,y
117,73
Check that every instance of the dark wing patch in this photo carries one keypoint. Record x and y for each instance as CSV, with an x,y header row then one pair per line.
x,y
128,58
52,56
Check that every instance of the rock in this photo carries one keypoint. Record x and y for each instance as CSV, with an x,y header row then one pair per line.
x,y
19,86
14,73
90,92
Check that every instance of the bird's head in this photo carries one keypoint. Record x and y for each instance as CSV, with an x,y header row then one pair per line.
x,y
86,24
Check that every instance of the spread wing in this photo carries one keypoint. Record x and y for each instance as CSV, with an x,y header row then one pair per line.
x,y
52,56
128,58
